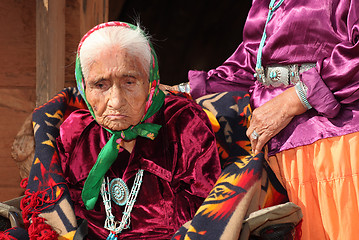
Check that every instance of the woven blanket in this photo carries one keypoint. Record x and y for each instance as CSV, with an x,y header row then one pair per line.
x,y
245,185
47,200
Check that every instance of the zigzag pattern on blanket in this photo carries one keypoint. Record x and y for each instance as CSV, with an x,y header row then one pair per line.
x,y
47,195
245,184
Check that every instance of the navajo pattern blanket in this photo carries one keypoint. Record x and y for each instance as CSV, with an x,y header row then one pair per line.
x,y
245,185
46,194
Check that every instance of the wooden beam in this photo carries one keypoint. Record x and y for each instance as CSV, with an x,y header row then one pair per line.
x,y
50,48
92,12
80,16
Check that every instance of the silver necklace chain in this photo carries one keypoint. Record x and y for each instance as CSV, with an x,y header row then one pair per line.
x,y
114,226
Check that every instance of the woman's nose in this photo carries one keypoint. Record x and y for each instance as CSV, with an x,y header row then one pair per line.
x,y
117,99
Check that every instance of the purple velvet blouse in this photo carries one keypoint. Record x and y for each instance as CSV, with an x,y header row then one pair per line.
x,y
324,32
180,168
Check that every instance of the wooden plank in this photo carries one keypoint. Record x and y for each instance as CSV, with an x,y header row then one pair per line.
x,y
17,41
10,184
16,105
92,12
80,16
50,48
73,37
17,84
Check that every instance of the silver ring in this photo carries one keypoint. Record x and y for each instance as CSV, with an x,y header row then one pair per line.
x,y
184,87
255,135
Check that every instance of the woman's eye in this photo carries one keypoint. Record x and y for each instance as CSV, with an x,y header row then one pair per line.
x,y
130,81
100,85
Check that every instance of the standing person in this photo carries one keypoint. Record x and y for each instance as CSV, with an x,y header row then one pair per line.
x,y
300,62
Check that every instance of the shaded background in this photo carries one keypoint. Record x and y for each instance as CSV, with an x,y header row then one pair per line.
x,y
196,34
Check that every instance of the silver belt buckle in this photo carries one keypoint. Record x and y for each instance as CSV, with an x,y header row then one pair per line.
x,y
281,75
277,75
260,75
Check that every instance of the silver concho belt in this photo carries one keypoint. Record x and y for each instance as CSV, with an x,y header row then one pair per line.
x,y
282,75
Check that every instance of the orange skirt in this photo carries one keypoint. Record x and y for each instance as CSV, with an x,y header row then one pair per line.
x,y
322,178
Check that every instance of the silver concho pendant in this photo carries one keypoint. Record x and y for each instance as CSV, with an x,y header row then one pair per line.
x,y
119,191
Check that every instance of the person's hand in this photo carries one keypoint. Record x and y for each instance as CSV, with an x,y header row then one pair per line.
x,y
270,118
167,88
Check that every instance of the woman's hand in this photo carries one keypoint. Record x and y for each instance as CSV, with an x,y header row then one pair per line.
x,y
270,118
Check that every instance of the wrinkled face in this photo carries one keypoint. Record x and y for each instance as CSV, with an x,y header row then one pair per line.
x,y
117,89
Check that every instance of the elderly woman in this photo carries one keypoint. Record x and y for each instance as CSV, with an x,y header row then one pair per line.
x,y
300,62
136,164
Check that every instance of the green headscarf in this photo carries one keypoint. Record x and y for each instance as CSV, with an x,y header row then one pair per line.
x,y
109,152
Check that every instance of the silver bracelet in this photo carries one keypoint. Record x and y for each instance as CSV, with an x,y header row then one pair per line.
x,y
184,87
301,91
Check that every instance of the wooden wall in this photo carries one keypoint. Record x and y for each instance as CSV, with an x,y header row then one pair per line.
x,y
38,44
17,83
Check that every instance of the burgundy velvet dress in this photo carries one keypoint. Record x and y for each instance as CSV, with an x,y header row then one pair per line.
x,y
180,167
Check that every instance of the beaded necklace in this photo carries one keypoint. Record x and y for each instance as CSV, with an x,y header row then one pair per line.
x,y
117,190
259,68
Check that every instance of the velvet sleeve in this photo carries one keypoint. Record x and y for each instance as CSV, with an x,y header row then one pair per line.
x,y
197,166
235,74
335,80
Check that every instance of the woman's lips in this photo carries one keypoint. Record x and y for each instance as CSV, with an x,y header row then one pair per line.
x,y
115,116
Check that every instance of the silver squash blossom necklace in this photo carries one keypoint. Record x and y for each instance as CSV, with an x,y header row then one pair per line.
x,y
117,191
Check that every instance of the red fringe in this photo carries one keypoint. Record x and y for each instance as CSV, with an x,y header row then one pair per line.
x,y
39,230
24,182
6,236
32,205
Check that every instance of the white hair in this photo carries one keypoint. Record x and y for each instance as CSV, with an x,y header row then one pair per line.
x,y
133,41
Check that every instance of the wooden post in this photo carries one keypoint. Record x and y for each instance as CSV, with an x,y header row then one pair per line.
x,y
50,48
92,12
81,16
54,54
